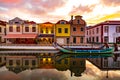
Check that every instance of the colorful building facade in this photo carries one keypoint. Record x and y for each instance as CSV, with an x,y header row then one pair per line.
x,y
2,31
77,30
62,32
19,31
108,31
46,33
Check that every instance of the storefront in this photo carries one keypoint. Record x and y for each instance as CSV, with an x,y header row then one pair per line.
x,y
21,38
45,38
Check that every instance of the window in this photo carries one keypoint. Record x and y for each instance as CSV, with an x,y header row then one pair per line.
x,y
81,63
18,29
10,62
74,62
81,29
33,62
78,21
106,63
41,30
118,29
62,22
93,31
97,39
33,29
66,30
89,39
0,29
26,29
59,61
81,39
97,30
0,59
17,62
74,40
106,29
16,22
10,29
90,32
52,30
46,30
26,62
67,40
59,30
74,29
92,39
66,61
106,39
87,32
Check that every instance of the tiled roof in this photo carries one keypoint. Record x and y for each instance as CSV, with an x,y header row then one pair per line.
x,y
108,22
30,22
3,23
63,21
47,23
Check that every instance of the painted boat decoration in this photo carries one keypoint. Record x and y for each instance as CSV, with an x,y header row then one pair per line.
x,y
85,51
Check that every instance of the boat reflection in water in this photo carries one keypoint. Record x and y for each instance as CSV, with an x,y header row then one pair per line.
x,y
59,61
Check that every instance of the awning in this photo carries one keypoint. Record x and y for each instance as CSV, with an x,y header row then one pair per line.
x,y
20,36
46,35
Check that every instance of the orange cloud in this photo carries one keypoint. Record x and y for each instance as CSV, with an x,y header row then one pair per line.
x,y
82,9
10,1
95,20
111,2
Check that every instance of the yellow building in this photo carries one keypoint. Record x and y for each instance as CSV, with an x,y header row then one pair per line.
x,y
62,33
62,65
46,33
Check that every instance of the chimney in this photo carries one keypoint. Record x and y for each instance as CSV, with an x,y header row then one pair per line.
x,y
71,19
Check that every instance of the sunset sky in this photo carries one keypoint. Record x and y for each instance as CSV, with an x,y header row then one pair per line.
x,y
93,11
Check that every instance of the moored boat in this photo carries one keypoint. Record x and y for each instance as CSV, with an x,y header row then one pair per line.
x,y
85,50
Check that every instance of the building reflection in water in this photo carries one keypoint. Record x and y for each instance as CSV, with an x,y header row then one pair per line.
x,y
20,63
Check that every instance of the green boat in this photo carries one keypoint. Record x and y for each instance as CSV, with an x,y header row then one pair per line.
x,y
85,51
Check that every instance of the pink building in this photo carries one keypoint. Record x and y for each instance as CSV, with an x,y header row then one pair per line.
x,y
108,31
77,30
21,31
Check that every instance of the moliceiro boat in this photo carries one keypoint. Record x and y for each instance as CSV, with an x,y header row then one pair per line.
x,y
85,51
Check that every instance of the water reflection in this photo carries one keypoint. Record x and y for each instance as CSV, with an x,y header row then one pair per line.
x,y
59,62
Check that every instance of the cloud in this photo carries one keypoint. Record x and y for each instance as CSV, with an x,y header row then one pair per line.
x,y
10,1
98,19
82,9
30,9
7,75
43,74
111,2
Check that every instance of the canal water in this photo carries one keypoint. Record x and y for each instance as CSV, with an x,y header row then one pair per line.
x,y
51,66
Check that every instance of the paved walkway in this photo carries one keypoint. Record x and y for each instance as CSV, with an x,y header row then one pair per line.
x,y
27,47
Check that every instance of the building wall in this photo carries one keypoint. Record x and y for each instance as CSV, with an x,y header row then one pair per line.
x,y
77,23
42,28
14,29
112,34
2,33
92,32
30,28
62,26
62,40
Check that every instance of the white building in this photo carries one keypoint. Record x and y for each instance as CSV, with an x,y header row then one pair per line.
x,y
108,31
20,31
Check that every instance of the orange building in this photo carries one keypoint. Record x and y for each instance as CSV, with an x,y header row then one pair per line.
x,y
77,30
46,33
